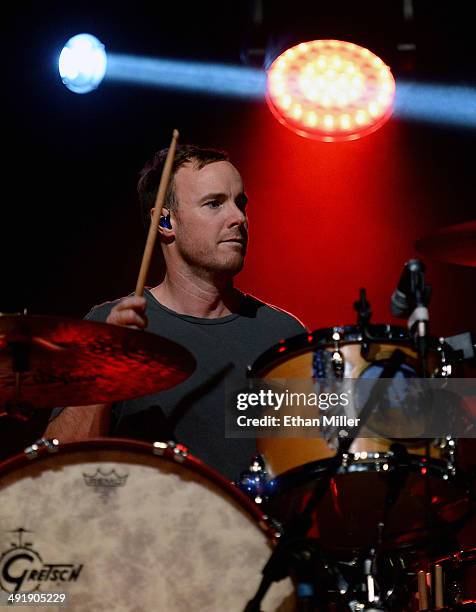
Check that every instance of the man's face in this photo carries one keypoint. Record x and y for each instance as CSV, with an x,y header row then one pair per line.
x,y
211,229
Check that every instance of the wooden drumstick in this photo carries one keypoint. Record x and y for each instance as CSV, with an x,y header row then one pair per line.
x,y
154,224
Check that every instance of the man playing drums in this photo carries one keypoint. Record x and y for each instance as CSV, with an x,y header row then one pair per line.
x,y
203,233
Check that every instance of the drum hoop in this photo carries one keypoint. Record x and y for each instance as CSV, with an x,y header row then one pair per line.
x,y
322,338
459,557
188,461
302,473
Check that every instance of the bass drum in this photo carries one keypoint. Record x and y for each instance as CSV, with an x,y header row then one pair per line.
x,y
411,488
125,525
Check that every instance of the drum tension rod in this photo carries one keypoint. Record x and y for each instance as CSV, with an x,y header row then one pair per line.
x,y
364,314
51,445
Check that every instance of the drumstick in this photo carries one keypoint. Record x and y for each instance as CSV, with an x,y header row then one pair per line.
x,y
154,224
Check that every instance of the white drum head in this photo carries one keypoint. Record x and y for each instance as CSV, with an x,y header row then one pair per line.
x,y
118,528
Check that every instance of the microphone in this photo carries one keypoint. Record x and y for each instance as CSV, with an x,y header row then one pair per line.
x,y
411,290
410,300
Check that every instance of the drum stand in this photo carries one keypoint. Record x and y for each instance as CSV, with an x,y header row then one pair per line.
x,y
20,363
297,554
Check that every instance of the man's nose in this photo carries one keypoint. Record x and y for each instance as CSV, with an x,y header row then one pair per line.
x,y
237,216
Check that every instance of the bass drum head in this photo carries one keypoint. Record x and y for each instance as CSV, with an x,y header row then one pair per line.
x,y
116,527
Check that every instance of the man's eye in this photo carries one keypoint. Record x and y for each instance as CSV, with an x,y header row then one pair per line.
x,y
213,204
241,202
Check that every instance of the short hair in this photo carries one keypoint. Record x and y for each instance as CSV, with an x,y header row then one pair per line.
x,y
150,174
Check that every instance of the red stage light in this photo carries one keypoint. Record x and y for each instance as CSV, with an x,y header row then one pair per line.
x,y
330,90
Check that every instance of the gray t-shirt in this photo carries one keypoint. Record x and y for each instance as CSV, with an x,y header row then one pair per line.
x,y
193,412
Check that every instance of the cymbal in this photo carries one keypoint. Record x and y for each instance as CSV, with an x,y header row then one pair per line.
x,y
50,361
453,244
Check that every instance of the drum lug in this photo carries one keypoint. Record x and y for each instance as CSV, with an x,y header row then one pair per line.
x,y
51,445
448,452
337,358
179,452
272,525
160,448
445,368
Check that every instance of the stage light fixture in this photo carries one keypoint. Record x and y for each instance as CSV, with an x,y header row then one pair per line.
x,y
330,90
82,63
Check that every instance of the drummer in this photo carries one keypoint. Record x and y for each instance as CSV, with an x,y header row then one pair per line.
x,y
203,233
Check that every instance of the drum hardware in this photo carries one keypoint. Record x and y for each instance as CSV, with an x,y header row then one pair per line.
x,y
423,591
445,368
337,359
160,448
294,555
46,362
19,411
463,345
419,477
448,583
375,595
370,462
20,363
448,452
178,452
364,314
411,299
254,481
376,580
438,586
294,544
51,445
170,449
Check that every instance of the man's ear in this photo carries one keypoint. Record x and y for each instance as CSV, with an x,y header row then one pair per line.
x,y
165,212
165,224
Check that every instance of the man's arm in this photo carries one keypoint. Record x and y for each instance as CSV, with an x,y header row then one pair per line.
x,y
82,422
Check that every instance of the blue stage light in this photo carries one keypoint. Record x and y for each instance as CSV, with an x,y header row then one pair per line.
x,y
443,104
214,79
82,66
82,63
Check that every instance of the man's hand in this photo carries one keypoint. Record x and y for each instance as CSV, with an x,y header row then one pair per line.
x,y
129,312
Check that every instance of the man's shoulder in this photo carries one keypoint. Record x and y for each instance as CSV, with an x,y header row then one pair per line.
x,y
100,312
265,312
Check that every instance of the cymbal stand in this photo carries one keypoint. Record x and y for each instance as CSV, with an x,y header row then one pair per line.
x,y
20,357
418,298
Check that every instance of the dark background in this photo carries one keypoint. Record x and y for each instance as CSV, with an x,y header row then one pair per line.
x,y
326,218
